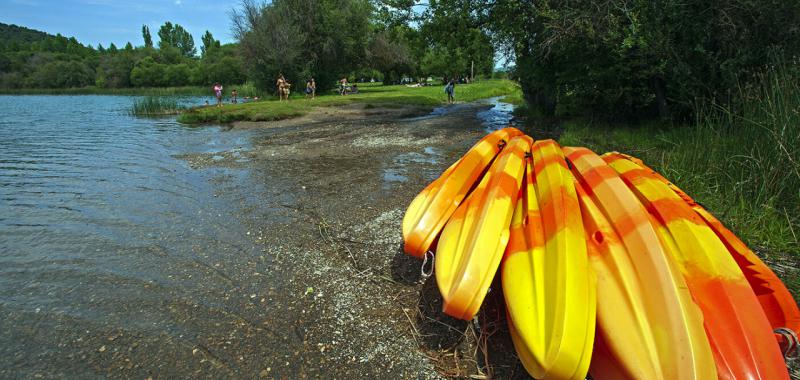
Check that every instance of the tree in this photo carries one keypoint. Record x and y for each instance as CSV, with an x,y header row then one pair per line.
x,y
208,43
112,48
148,39
455,29
176,36
324,39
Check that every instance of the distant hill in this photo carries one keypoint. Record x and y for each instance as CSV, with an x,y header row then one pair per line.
x,y
21,34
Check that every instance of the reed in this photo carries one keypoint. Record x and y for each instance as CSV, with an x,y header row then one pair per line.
x,y
155,106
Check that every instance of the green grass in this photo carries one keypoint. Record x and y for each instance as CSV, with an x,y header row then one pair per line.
x,y
742,161
246,89
155,106
373,94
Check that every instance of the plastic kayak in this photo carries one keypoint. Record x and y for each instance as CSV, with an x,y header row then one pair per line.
x,y
641,292
736,326
433,206
776,300
474,239
549,287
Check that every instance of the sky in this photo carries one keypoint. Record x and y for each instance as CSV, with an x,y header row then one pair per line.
x,y
119,21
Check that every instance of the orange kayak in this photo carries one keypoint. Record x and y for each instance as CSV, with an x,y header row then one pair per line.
x,y
735,324
549,286
641,292
775,299
433,206
475,237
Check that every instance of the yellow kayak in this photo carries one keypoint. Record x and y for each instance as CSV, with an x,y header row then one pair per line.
x,y
549,286
640,292
433,206
776,300
474,239
737,328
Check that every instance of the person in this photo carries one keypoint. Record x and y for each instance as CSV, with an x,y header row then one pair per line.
x,y
218,93
234,94
282,87
309,90
450,90
354,89
343,86
313,88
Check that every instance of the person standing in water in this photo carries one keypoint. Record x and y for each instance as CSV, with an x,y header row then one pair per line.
x,y
218,93
234,96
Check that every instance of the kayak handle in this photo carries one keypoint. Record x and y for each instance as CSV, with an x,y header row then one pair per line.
x,y
425,274
792,347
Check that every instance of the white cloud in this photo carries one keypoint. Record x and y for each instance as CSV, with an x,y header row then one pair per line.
x,y
178,2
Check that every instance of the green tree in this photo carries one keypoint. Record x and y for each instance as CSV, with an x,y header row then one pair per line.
x,y
325,39
148,39
208,43
176,36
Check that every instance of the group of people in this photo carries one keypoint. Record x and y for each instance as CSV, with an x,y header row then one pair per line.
x,y
283,86
234,95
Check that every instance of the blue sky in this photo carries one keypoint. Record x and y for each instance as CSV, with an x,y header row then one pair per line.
x,y
119,21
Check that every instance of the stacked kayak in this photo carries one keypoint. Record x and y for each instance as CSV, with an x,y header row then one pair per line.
x,y
606,267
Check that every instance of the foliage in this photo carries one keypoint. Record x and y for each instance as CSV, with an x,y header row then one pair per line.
x,y
741,160
37,60
628,59
148,39
175,36
324,39
209,43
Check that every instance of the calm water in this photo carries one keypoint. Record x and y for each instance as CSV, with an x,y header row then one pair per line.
x,y
118,258
108,240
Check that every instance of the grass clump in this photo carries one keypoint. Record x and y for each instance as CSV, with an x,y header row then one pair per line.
x,y
373,94
155,106
742,160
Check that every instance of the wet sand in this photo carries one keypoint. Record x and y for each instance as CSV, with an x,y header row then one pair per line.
x,y
358,305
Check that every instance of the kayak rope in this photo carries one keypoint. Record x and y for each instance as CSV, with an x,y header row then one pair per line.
x,y
425,274
528,154
501,144
792,348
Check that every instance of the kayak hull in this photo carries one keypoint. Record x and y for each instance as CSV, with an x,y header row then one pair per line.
x,y
548,284
474,239
641,292
434,205
736,326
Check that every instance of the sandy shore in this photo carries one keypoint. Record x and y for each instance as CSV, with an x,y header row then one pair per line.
x,y
367,311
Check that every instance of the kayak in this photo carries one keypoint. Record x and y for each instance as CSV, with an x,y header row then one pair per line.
x,y
776,300
736,326
641,292
548,284
433,206
474,239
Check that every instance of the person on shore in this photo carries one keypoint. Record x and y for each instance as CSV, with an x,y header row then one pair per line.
x,y
343,86
283,88
313,88
234,96
309,91
218,93
450,90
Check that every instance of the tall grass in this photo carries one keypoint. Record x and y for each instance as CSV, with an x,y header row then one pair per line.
x,y
155,106
741,160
